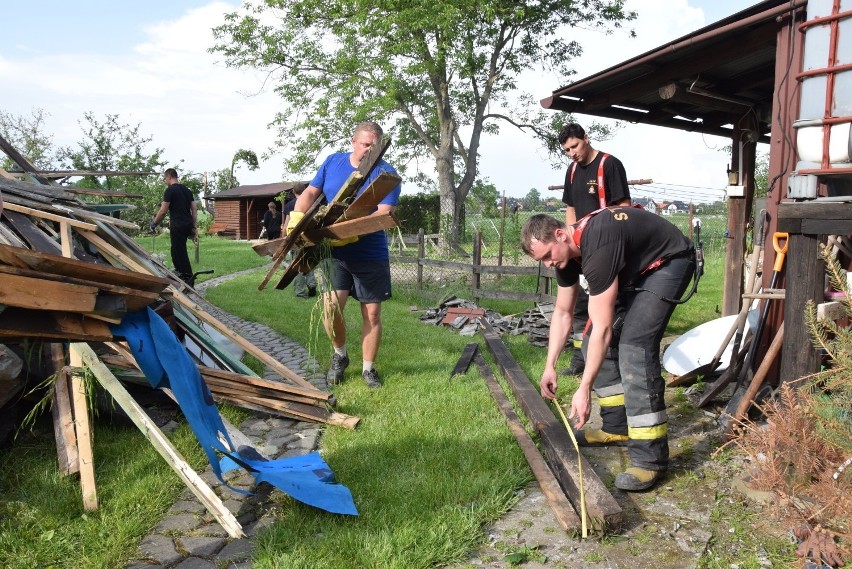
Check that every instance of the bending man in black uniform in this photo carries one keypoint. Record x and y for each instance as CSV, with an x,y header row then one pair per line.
x,y
179,203
644,262
594,180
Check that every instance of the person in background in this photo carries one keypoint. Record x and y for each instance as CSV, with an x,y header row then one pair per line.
x,y
359,267
179,203
639,259
272,222
594,180
304,284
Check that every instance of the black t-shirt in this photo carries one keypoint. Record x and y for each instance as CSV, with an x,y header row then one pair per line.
x,y
582,194
288,207
180,199
272,221
622,242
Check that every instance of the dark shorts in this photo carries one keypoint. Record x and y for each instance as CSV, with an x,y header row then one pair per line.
x,y
366,281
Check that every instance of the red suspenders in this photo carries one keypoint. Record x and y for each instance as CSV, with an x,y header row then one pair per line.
x,y
601,189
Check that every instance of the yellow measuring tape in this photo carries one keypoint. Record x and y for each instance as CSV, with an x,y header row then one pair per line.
x,y
583,525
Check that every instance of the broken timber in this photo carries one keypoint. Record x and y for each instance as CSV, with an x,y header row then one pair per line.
x,y
555,442
562,508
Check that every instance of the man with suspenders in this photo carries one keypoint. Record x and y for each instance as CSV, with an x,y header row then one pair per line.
x,y
594,180
644,263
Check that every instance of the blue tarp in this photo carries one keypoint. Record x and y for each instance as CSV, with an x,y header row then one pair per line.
x,y
166,363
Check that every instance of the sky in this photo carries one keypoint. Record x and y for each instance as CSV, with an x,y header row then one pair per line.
x,y
148,63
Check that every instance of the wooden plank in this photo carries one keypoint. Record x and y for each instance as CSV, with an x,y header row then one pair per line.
x,y
135,299
260,382
353,227
63,421
296,410
558,448
35,237
559,503
82,427
224,387
160,442
47,325
467,355
42,294
51,216
56,264
367,201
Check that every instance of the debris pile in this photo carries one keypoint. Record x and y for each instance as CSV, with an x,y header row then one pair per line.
x,y
464,316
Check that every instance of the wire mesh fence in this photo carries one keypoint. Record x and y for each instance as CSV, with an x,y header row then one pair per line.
x,y
429,264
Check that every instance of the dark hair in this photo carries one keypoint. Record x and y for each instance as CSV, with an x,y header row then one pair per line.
x,y
171,173
540,227
572,130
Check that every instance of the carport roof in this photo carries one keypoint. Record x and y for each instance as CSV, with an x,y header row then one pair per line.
x,y
706,81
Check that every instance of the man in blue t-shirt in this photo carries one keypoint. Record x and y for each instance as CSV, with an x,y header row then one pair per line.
x,y
359,267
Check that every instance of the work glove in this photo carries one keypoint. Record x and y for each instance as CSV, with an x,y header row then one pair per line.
x,y
152,227
295,218
344,241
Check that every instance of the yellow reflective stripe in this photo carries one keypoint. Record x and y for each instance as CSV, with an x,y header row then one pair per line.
x,y
648,433
611,401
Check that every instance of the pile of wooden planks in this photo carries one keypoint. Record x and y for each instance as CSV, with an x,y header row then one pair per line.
x,y
349,214
67,272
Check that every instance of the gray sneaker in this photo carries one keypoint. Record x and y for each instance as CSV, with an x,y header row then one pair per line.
x,y
371,376
335,370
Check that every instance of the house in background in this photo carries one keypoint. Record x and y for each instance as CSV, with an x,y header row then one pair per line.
x,y
648,204
238,212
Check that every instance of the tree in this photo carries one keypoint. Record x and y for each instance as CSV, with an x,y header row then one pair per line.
x,y
532,200
440,73
28,136
483,198
113,146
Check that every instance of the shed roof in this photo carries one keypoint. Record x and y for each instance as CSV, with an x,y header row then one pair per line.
x,y
257,190
705,81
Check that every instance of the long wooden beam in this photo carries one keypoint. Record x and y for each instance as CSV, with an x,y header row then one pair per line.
x,y
558,449
562,508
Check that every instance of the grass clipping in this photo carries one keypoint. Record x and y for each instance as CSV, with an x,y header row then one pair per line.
x,y
802,453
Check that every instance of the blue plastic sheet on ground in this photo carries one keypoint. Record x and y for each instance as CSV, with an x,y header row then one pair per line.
x,y
166,363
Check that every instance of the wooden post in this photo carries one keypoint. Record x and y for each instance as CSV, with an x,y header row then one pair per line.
x,y
502,236
63,421
79,407
84,436
475,266
421,255
160,442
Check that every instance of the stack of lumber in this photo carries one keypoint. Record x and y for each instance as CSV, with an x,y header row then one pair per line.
x,y
67,272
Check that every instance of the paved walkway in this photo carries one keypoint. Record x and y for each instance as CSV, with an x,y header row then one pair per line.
x,y
188,537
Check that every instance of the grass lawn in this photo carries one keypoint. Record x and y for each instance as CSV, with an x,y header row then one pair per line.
x,y
430,463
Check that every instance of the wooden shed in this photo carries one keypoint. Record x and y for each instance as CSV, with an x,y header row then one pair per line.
x,y
238,212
